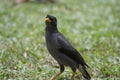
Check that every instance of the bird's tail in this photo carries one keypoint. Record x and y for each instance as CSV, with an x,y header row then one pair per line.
x,y
84,72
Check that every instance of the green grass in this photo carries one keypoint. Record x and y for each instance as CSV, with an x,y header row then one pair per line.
x,y
93,27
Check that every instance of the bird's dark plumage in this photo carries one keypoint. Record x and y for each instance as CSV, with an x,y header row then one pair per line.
x,y
61,49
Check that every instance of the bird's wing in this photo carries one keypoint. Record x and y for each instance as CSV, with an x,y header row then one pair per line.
x,y
67,49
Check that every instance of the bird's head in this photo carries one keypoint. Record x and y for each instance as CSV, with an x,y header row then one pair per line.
x,y
51,21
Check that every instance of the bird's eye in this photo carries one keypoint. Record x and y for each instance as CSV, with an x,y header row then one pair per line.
x,y
51,19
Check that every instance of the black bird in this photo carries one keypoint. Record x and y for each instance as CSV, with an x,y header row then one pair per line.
x,y
62,51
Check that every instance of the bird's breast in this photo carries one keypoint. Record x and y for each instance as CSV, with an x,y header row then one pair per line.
x,y
52,43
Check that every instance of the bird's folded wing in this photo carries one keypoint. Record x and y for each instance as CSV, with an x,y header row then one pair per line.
x,y
67,49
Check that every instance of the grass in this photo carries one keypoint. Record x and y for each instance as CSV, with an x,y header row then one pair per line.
x,y
93,27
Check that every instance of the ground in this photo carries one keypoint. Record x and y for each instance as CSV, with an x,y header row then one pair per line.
x,y
92,26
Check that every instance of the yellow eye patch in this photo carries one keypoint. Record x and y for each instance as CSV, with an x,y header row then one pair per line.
x,y
48,20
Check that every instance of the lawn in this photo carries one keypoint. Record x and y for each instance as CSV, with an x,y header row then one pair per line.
x,y
92,26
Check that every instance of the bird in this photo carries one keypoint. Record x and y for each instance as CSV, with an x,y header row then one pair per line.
x,y
62,50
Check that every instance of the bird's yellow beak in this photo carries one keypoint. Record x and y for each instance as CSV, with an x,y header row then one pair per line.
x,y
48,20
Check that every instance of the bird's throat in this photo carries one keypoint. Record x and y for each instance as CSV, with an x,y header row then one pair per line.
x,y
51,29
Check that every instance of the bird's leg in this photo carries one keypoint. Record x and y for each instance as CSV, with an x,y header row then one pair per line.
x,y
73,75
56,75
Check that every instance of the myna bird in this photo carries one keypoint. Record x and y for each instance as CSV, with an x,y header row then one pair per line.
x,y
62,51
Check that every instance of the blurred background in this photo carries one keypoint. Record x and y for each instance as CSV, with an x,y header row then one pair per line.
x,y
92,26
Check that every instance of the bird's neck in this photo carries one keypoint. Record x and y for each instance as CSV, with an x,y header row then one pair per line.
x,y
51,29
